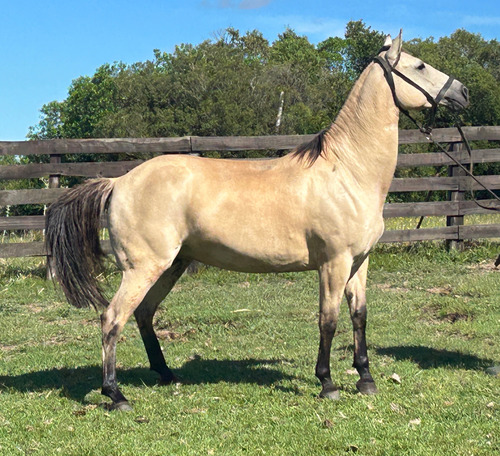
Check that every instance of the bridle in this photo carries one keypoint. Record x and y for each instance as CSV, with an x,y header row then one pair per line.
x,y
389,70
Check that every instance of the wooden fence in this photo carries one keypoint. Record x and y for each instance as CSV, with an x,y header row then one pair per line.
x,y
456,184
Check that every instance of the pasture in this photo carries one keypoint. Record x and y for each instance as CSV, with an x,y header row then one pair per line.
x,y
246,347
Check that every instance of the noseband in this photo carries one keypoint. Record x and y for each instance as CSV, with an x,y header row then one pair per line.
x,y
434,101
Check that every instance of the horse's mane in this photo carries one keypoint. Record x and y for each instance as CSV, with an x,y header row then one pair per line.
x,y
312,150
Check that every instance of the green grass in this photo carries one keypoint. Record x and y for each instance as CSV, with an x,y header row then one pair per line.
x,y
409,223
247,344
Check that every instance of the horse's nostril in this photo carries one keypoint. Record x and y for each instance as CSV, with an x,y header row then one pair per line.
x,y
465,92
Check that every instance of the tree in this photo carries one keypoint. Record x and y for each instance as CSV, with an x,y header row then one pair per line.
x,y
50,125
361,45
231,85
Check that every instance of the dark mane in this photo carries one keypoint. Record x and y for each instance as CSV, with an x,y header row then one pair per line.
x,y
312,150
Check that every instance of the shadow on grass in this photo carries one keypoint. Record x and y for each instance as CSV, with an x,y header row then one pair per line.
x,y
428,358
76,382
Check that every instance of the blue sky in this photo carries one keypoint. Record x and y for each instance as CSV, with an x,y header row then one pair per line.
x,y
45,45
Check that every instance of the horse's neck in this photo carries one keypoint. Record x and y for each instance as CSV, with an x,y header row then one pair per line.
x,y
364,136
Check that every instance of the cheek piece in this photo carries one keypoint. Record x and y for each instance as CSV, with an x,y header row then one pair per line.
x,y
388,72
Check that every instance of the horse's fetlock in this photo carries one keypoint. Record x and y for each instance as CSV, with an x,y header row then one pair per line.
x,y
360,362
323,373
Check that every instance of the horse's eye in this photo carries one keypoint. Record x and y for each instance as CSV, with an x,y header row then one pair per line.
x,y
421,66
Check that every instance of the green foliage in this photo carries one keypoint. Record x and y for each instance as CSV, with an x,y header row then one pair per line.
x,y
231,85
50,125
362,44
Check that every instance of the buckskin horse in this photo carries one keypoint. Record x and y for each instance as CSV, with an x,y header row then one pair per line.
x,y
317,208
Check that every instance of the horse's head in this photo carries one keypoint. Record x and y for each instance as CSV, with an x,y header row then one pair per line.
x,y
417,85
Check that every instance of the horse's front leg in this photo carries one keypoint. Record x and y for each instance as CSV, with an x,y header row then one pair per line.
x,y
356,298
333,277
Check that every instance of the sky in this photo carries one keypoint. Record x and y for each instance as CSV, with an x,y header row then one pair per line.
x,y
45,45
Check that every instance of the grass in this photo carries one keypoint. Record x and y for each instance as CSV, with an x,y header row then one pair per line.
x,y
409,223
247,345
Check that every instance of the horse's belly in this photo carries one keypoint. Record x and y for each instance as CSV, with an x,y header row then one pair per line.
x,y
260,255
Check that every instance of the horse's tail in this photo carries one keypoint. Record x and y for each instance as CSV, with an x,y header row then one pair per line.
x,y
72,241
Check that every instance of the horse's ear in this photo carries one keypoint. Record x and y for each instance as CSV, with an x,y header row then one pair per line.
x,y
394,52
387,42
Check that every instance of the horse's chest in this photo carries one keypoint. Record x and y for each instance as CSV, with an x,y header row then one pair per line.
x,y
357,231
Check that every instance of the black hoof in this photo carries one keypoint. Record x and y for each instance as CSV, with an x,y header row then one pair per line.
x,y
173,380
366,387
332,394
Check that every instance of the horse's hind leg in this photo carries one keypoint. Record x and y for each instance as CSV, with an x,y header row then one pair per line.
x,y
136,283
356,298
144,317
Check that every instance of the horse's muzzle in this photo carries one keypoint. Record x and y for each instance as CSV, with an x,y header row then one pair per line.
x,y
457,97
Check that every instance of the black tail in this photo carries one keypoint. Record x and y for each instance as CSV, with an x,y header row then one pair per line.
x,y
72,241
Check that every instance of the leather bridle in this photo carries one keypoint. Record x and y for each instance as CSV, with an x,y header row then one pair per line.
x,y
389,70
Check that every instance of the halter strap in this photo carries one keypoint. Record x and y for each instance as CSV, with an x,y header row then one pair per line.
x,y
434,101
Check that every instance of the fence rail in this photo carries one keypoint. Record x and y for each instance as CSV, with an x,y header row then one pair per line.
x,y
455,183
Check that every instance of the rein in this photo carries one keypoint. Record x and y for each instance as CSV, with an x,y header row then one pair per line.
x,y
427,130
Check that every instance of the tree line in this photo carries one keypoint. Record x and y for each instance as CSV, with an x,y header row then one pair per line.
x,y
241,84
232,85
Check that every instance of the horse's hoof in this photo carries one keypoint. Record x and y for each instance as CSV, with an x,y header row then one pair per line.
x,y
333,395
121,407
170,381
366,387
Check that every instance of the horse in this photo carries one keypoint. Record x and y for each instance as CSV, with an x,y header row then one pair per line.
x,y
316,208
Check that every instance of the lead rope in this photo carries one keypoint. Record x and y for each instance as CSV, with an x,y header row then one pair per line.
x,y
428,133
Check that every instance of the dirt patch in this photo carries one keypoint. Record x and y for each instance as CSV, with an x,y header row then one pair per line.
x,y
35,308
389,287
54,320
456,316
56,340
443,291
166,334
485,266
435,314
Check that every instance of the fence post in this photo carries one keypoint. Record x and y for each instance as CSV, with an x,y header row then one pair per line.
x,y
54,182
456,195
